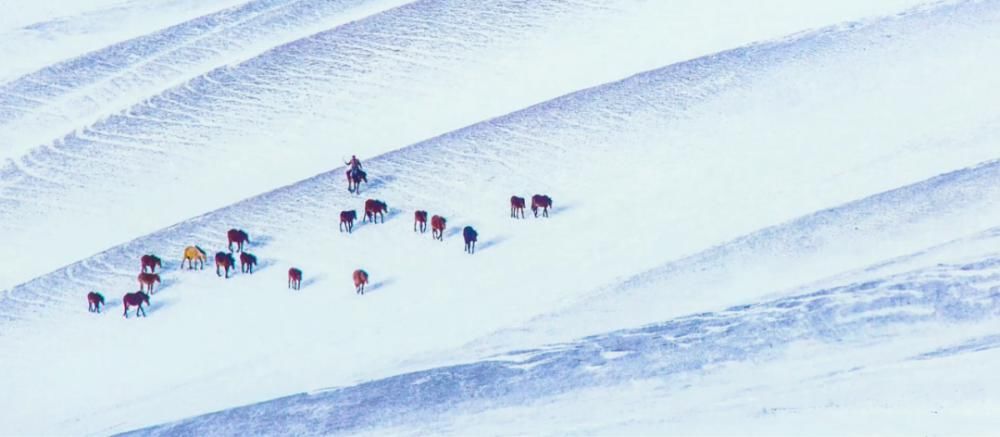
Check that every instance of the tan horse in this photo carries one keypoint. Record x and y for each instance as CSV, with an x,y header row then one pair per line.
x,y
192,254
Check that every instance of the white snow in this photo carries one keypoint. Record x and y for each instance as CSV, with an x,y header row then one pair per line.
x,y
758,227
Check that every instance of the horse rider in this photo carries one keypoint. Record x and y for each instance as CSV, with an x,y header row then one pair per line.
x,y
354,163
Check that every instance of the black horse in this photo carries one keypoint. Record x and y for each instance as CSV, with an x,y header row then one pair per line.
x,y
470,239
354,179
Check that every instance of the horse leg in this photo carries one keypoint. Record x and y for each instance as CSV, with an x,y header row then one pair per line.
x,y
140,309
125,313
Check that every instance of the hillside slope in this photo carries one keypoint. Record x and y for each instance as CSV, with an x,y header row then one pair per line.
x,y
233,104
836,355
643,171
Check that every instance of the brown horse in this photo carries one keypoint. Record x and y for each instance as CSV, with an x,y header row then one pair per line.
x,y
94,301
437,227
223,259
192,254
470,236
516,204
135,300
151,261
375,208
294,278
354,180
360,279
247,262
541,201
239,237
420,219
347,220
146,280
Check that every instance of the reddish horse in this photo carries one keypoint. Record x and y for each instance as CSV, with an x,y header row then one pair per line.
x,y
540,201
470,236
516,204
94,301
135,300
294,278
360,279
151,261
223,259
375,208
347,220
239,237
420,218
146,280
354,179
247,262
437,227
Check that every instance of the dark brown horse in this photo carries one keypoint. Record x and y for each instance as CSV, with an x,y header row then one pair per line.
x,y
151,261
516,204
420,220
247,262
470,236
360,279
375,208
438,224
239,237
223,259
135,300
354,179
294,278
347,219
94,301
541,201
146,280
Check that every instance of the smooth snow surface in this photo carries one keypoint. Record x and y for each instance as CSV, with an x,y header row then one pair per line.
x,y
766,217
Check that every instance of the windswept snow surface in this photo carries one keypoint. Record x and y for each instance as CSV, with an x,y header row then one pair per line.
x,y
38,34
267,93
818,195
858,355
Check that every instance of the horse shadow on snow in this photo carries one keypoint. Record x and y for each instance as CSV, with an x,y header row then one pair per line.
x,y
376,286
308,279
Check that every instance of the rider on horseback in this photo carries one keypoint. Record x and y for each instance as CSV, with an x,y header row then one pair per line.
x,y
354,163
354,174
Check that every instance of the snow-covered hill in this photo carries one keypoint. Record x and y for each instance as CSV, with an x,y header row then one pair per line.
x,y
235,103
836,355
794,195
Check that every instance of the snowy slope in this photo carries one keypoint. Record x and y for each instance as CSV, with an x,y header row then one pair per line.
x,y
38,34
829,355
277,91
706,151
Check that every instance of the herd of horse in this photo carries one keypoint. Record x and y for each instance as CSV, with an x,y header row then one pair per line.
x,y
224,261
